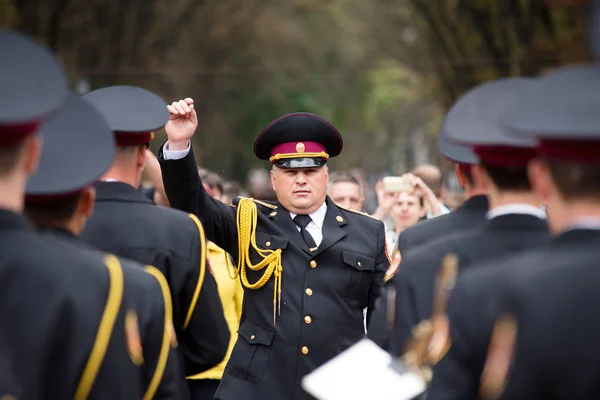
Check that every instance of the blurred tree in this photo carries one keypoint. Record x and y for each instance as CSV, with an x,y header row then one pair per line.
x,y
382,71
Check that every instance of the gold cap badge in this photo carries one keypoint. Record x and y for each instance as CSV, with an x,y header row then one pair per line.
x,y
300,147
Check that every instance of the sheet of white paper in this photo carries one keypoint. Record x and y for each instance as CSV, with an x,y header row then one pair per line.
x,y
362,372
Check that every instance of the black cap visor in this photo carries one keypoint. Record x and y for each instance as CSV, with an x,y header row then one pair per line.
x,y
292,163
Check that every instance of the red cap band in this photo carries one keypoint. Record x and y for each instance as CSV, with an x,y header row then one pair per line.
x,y
465,167
50,198
124,139
297,148
13,134
583,151
505,156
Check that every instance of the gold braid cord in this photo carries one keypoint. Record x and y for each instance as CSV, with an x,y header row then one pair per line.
x,y
247,217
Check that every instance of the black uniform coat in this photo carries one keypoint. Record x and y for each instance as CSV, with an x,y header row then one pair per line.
x,y
128,224
470,215
144,295
323,292
415,282
557,303
9,383
54,298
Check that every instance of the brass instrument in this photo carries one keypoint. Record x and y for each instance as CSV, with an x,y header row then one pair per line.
x,y
431,337
499,358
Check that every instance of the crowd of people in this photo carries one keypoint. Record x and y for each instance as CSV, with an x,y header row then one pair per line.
x,y
130,275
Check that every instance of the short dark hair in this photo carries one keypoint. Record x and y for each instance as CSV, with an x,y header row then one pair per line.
x,y
467,172
9,156
213,181
232,189
575,180
344,177
508,178
52,213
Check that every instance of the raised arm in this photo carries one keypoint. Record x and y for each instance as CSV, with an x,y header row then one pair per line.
x,y
182,182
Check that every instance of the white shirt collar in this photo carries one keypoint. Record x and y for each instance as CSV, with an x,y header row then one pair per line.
x,y
318,217
516,208
585,222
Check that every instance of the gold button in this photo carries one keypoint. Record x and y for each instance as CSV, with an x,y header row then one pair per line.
x,y
268,243
252,337
274,213
308,319
304,350
358,263
313,264
339,219
308,291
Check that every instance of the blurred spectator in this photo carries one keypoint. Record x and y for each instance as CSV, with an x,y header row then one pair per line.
x,y
258,182
432,177
215,183
231,190
346,191
267,194
204,385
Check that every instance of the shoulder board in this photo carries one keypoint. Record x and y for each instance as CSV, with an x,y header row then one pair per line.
x,y
235,202
358,212
262,203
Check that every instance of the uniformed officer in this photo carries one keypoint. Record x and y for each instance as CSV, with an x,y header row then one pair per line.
x,y
554,292
470,215
514,223
126,223
57,307
59,199
308,267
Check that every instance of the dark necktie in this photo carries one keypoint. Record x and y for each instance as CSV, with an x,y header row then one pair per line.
x,y
302,221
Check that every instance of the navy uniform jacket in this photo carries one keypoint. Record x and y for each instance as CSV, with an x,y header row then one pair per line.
x,y
470,215
557,303
9,384
415,282
323,294
128,224
63,311
146,299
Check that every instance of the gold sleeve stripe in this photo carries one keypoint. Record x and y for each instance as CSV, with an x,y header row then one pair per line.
x,y
202,271
107,323
161,364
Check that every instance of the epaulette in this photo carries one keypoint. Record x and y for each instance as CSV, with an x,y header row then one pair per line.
x,y
358,212
262,203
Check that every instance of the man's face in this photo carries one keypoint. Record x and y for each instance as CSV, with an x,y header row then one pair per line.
x,y
347,194
300,190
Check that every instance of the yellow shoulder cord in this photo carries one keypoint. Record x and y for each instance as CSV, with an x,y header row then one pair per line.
x,y
105,328
161,363
246,219
203,256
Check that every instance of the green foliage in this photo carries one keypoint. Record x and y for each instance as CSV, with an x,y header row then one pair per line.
x,y
381,71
